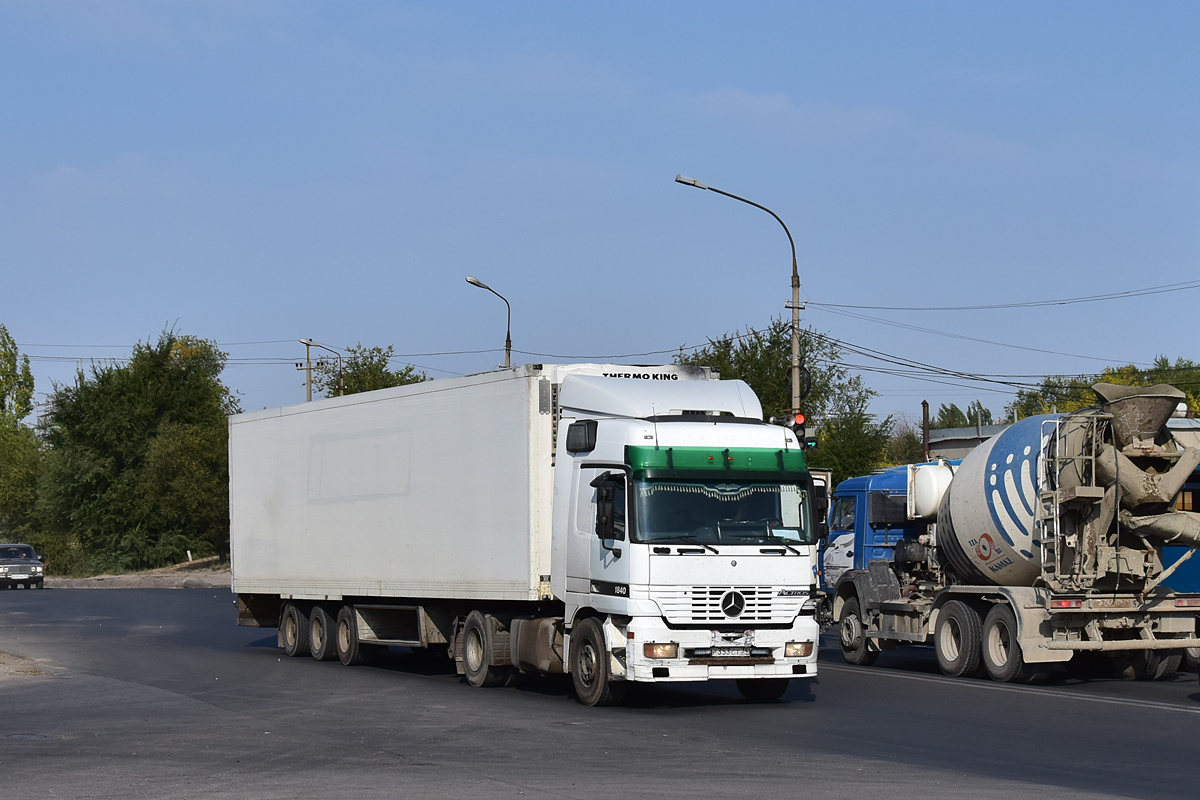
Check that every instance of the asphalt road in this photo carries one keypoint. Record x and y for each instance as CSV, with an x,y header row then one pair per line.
x,y
156,693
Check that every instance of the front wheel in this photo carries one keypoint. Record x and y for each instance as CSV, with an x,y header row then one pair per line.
x,y
590,671
763,690
852,635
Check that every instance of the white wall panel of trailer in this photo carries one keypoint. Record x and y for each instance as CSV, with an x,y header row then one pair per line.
x,y
438,489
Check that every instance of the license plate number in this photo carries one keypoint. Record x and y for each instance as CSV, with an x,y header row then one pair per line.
x,y
17,576
730,652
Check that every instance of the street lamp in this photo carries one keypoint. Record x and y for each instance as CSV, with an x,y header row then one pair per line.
x,y
795,306
309,344
508,330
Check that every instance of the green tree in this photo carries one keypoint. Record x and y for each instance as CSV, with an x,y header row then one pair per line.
x,y
16,381
20,465
1072,392
763,358
137,467
364,369
850,441
905,445
951,416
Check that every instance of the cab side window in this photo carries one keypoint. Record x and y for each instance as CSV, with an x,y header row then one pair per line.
x,y
843,514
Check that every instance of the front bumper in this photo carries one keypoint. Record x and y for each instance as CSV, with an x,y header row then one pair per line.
x,y
690,667
20,577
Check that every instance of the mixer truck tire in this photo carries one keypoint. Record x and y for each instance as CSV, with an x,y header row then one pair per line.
x,y
1002,657
1191,659
590,670
763,690
1147,665
293,630
852,635
477,648
321,636
956,639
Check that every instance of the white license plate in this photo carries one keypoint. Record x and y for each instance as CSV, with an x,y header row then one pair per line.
x,y
730,652
17,576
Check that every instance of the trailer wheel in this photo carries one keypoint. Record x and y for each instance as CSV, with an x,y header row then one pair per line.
x,y
763,690
349,651
957,638
294,630
477,654
321,634
1191,660
856,649
1002,657
590,671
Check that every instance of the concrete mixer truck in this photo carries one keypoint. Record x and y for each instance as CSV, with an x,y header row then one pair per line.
x,y
1043,545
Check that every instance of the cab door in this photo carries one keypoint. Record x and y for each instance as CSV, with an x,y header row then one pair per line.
x,y
604,562
838,555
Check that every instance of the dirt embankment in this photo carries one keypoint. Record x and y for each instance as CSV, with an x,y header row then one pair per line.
x,y
203,573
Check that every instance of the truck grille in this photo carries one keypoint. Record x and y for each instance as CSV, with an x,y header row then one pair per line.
x,y
703,604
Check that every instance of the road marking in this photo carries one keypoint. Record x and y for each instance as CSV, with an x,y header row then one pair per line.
x,y
1000,687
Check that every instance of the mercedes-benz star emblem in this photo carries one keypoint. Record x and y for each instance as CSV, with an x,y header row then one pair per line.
x,y
733,604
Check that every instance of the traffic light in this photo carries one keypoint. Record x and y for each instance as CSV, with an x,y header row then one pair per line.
x,y
798,429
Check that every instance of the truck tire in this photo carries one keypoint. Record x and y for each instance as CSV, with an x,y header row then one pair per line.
x,y
956,639
349,651
1191,659
293,630
856,648
321,638
590,671
477,654
1147,665
763,690
1002,657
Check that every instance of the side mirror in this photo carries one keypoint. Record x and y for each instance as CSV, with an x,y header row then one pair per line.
x,y
606,511
581,437
41,558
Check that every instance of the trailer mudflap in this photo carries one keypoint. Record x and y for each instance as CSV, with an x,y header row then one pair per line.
x,y
259,610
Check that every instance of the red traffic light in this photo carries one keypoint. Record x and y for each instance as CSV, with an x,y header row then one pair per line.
x,y
799,420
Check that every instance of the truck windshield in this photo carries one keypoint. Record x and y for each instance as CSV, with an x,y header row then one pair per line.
x,y
716,512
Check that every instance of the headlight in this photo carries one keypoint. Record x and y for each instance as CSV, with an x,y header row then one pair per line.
x,y
37,570
660,650
798,650
3,570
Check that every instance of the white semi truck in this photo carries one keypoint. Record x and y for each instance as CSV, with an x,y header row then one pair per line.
x,y
615,523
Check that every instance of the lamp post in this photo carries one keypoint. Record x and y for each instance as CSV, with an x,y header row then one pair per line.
x,y
309,344
795,305
508,328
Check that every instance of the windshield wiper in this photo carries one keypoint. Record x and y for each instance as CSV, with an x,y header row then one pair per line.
x,y
694,540
783,543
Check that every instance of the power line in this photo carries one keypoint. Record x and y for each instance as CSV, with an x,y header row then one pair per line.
x,y
964,337
1095,298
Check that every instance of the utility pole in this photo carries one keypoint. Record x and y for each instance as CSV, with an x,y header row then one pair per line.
x,y
306,365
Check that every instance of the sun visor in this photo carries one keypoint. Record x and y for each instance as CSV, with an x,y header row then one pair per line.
x,y
627,397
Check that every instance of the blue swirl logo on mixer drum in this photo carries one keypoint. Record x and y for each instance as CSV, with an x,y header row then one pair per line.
x,y
1010,475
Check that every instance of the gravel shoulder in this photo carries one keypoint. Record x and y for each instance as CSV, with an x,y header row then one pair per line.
x,y
199,574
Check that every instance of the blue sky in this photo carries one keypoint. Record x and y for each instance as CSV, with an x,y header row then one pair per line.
x,y
262,172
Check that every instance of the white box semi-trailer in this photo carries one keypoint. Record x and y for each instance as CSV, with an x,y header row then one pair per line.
x,y
455,514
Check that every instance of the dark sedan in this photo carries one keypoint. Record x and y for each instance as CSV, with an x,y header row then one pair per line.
x,y
20,566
